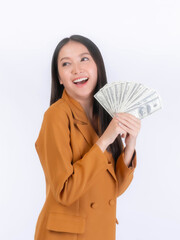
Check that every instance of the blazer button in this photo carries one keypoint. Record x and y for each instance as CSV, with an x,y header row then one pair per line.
x,y
111,202
94,205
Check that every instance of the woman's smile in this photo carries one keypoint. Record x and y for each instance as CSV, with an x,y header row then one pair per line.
x,y
80,82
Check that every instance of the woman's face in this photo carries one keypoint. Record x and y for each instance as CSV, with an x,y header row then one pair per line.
x,y
76,63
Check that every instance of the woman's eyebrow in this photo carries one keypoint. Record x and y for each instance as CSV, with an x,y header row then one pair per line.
x,y
79,55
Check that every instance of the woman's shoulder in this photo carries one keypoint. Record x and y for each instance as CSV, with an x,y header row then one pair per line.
x,y
59,109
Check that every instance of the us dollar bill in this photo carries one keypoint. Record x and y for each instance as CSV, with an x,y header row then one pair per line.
x,y
131,97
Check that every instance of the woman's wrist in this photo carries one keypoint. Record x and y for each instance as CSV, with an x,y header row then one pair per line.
x,y
102,144
128,154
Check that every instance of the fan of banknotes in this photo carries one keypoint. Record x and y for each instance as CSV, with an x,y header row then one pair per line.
x,y
130,97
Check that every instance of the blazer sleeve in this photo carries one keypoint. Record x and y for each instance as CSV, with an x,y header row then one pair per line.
x,y
68,181
124,173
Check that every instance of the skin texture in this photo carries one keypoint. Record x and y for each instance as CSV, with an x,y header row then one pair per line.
x,y
75,61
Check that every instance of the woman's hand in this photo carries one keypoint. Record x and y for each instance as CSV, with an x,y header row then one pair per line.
x,y
131,126
110,134
128,126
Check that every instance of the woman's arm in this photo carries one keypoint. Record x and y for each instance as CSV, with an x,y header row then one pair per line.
x,y
68,181
128,126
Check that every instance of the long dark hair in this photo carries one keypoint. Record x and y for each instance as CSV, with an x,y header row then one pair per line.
x,y
57,89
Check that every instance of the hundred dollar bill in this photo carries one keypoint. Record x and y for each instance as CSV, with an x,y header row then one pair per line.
x,y
145,109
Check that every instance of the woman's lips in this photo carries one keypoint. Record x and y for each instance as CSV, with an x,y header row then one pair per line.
x,y
80,82
79,79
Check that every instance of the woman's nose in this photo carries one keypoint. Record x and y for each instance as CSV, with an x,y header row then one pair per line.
x,y
76,68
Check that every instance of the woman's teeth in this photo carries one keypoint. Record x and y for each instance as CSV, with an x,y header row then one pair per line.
x,y
81,80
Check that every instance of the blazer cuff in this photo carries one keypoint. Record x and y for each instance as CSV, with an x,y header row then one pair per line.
x,y
133,162
132,166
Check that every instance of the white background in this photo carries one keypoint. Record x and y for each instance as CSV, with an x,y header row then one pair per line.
x,y
139,41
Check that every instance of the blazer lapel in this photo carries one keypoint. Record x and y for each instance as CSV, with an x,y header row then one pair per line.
x,y
87,131
83,124
91,137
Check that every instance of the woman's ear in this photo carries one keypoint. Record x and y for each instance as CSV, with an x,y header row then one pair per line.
x,y
60,81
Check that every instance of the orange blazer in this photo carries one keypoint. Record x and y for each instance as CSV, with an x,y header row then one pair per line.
x,y
82,182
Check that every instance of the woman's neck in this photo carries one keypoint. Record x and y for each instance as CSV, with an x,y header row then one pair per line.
x,y
87,105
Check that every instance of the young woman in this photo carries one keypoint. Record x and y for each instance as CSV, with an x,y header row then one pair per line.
x,y
79,145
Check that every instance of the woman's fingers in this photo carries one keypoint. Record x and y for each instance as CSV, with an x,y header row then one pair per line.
x,y
129,123
129,119
129,130
120,129
123,135
130,116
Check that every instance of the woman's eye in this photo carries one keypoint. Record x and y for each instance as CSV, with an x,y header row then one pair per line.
x,y
65,64
82,59
85,59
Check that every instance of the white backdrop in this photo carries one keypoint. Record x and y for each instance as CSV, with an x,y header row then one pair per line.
x,y
139,41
